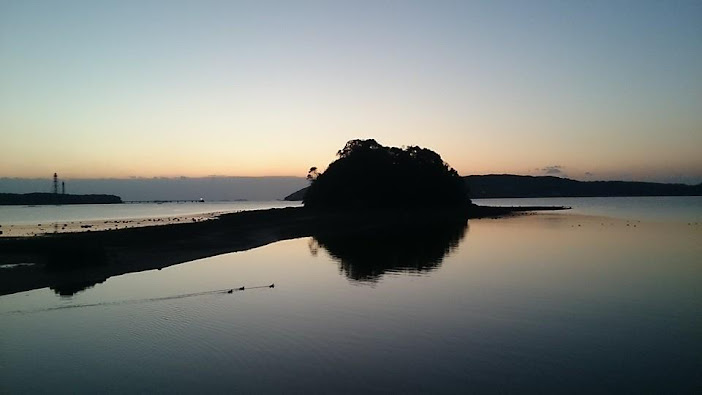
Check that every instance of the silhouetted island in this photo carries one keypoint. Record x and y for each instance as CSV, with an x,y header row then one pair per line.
x,y
515,186
370,175
39,198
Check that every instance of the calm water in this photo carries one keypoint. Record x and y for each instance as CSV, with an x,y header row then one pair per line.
x,y
88,212
535,303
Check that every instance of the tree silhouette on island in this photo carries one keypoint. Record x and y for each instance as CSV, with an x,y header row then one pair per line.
x,y
370,175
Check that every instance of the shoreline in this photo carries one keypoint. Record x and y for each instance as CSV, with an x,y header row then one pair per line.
x,y
70,262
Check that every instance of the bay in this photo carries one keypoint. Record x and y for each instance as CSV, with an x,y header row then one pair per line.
x,y
547,302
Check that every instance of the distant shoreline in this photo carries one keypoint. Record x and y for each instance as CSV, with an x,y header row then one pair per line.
x,y
40,198
79,260
510,186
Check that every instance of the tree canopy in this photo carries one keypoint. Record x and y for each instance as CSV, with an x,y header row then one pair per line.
x,y
370,175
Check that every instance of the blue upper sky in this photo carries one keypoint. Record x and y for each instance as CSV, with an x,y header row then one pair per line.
x,y
592,90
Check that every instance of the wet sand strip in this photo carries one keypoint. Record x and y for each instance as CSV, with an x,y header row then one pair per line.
x,y
38,229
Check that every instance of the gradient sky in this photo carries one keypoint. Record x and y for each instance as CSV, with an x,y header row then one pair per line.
x,y
587,89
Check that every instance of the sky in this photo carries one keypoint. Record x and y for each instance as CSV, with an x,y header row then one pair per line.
x,y
584,89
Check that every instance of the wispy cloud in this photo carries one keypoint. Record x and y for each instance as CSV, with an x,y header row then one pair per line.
x,y
552,170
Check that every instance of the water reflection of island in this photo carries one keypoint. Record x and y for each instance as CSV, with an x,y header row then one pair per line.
x,y
69,287
367,256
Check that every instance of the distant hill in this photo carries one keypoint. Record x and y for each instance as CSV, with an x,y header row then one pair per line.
x,y
513,186
38,198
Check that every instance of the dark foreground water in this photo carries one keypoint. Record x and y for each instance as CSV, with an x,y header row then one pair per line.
x,y
536,303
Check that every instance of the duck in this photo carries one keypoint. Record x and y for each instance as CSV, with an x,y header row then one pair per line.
x,y
271,286
230,291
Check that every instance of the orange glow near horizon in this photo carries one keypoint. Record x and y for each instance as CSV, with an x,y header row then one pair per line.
x,y
255,164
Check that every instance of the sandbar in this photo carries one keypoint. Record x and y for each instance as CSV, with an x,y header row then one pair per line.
x,y
74,260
